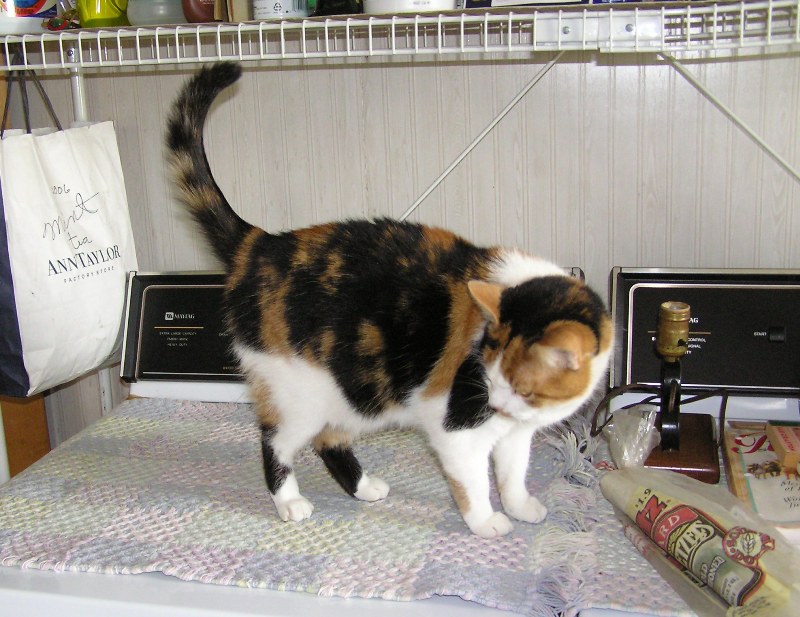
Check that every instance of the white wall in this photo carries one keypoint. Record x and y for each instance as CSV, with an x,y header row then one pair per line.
x,y
609,160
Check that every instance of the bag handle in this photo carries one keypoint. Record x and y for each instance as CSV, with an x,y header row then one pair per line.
x,y
20,76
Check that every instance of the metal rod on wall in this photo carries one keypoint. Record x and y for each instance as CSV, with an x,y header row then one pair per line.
x,y
76,79
483,133
81,114
731,115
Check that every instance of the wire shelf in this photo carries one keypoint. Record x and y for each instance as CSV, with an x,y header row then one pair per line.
x,y
768,26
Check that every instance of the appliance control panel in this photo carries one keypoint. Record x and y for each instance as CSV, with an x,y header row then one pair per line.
x,y
744,330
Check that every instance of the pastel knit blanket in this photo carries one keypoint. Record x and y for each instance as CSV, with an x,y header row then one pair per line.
x,y
177,487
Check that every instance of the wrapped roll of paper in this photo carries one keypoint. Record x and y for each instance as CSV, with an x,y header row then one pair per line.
x,y
706,531
694,592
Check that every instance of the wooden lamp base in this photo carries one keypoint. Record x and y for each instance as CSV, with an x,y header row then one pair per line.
x,y
698,456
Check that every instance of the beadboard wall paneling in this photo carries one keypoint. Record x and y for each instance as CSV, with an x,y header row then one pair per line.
x,y
609,160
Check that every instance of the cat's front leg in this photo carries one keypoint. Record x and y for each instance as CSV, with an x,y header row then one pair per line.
x,y
511,455
466,465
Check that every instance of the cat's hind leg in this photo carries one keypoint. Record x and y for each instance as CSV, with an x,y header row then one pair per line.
x,y
335,450
286,401
278,452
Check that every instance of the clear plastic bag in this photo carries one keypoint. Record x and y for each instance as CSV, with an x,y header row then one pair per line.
x,y
632,435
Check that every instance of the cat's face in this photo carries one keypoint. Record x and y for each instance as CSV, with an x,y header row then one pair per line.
x,y
544,380
538,369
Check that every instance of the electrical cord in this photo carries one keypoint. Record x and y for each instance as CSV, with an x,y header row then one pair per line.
x,y
655,397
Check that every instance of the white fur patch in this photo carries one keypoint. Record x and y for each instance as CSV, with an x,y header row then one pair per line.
x,y
515,267
291,505
371,489
308,398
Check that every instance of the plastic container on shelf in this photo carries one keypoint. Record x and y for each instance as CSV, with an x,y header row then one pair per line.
x,y
278,9
198,11
408,6
335,7
155,12
102,13
25,16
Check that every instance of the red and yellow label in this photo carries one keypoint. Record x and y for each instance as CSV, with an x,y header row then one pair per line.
x,y
727,560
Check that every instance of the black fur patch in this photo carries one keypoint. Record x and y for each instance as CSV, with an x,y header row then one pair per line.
x,y
274,471
390,282
530,307
488,342
343,466
468,405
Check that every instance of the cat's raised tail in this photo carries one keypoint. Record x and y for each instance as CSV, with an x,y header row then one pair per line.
x,y
198,189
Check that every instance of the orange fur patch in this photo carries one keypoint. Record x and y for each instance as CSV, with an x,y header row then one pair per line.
x,y
182,167
331,438
262,397
500,334
370,341
274,328
459,495
606,333
571,336
487,296
332,272
327,341
464,319
240,264
309,242
436,240
557,367
371,344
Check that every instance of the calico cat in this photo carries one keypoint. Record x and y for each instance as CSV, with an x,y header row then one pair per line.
x,y
357,326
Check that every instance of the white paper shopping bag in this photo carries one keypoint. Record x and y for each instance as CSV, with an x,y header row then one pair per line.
x,y
68,248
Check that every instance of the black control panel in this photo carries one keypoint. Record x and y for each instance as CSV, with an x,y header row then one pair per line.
x,y
174,329
744,332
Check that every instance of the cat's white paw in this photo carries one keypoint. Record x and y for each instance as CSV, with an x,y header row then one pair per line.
x,y
296,509
371,489
498,524
529,510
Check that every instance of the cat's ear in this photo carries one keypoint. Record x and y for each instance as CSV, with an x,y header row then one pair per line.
x,y
565,345
487,297
558,358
